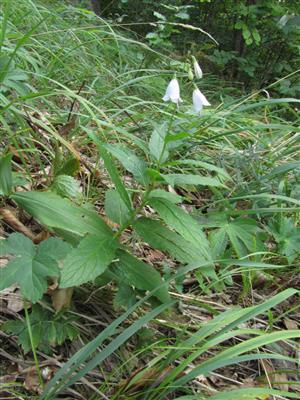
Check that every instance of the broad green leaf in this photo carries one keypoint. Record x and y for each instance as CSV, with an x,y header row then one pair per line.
x,y
115,208
6,180
29,267
16,244
160,237
243,236
114,175
55,248
163,194
183,223
130,161
187,179
219,240
134,272
157,146
66,186
287,236
89,260
57,212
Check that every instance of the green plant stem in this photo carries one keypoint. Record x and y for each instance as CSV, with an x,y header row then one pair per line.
x,y
36,361
135,212
150,188
168,131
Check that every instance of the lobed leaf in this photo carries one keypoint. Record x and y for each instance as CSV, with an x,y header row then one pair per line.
x,y
29,267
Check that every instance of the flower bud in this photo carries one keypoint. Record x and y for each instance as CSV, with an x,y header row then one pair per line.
x,y
173,92
197,69
199,100
190,75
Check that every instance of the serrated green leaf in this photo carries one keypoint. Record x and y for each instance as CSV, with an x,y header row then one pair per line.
x,y
57,212
243,236
183,223
157,146
115,208
163,194
130,161
218,239
187,179
89,260
160,237
6,180
66,186
134,272
55,248
17,244
287,236
29,267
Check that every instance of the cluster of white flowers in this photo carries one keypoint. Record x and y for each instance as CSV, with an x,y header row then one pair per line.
x,y
173,91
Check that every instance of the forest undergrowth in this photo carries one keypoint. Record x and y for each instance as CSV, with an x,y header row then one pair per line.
x,y
149,219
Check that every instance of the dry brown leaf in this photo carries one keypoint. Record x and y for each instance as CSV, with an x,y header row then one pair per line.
x,y
13,298
32,383
146,378
44,235
110,223
61,298
10,218
278,380
10,297
291,324
155,255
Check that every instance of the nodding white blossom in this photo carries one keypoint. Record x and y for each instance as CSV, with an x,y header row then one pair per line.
x,y
197,69
199,100
173,92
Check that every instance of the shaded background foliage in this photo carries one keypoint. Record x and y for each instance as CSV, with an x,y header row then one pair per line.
x,y
258,41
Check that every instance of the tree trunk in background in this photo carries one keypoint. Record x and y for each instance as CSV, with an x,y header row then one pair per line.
x,y
96,6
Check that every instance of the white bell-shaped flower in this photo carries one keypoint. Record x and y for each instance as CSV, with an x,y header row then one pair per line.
x,y
197,69
199,100
173,92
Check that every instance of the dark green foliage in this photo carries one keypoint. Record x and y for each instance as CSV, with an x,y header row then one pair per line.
x,y
47,329
258,40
